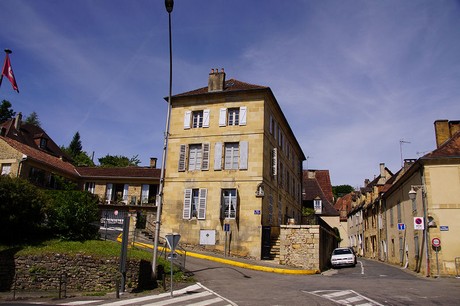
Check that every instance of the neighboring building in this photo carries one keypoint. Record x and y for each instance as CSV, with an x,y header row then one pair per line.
x,y
318,197
27,151
233,163
434,180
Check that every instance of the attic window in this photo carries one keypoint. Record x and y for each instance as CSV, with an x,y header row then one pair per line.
x,y
318,205
43,143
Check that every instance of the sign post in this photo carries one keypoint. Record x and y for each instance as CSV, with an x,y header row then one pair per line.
x,y
436,243
226,230
173,241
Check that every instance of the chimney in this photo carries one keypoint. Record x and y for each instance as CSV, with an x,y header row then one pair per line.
x,y
454,127
408,163
444,130
383,176
153,162
17,121
216,81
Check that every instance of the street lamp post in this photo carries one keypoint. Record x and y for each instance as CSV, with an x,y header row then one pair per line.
x,y
169,4
412,197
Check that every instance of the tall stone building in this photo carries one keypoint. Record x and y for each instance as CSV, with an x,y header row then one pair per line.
x,y
233,169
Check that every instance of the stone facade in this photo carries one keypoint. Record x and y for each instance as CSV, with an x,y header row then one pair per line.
x,y
207,124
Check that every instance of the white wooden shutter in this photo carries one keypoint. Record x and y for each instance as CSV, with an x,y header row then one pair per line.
x,y
206,113
182,156
244,155
274,162
202,203
186,214
223,117
187,117
218,156
108,193
125,193
243,111
205,161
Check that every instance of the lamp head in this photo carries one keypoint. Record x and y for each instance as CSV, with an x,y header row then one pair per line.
x,y
412,193
169,5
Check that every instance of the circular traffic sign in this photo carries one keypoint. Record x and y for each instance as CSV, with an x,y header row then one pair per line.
x,y
418,220
436,242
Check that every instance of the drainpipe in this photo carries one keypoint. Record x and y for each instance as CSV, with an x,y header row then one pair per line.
x,y
23,159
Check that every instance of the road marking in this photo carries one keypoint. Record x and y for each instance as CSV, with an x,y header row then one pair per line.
x,y
345,297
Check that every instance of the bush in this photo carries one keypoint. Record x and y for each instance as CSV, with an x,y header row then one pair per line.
x,y
73,215
22,213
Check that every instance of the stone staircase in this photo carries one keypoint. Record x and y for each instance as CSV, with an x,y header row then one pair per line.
x,y
275,249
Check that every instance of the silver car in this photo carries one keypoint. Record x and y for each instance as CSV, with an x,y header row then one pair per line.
x,y
343,257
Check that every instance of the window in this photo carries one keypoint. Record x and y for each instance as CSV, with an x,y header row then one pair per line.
x,y
232,116
43,142
318,205
231,156
194,203
196,119
399,212
148,194
116,193
6,169
229,204
198,157
195,157
235,155
90,186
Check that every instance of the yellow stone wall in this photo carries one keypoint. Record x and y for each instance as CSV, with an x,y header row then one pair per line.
x,y
253,211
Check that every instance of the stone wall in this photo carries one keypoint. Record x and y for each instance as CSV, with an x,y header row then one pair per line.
x,y
81,272
306,246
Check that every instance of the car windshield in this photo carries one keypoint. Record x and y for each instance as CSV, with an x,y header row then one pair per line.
x,y
341,251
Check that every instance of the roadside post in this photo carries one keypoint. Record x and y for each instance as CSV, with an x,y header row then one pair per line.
x,y
436,243
226,230
124,251
173,241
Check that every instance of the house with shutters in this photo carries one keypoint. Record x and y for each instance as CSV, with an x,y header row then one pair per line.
x,y
233,169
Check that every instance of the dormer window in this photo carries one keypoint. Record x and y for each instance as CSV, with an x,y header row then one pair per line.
x,y
318,205
43,142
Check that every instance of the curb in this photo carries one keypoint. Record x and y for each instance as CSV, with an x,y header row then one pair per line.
x,y
235,263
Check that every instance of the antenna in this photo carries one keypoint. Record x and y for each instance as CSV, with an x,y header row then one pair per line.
x,y
400,150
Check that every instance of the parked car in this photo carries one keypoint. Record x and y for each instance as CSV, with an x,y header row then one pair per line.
x,y
343,257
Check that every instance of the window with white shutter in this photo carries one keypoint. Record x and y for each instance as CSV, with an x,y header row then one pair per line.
x,y
187,118
202,203
243,111
243,155
229,204
223,117
231,156
233,116
187,210
218,156
205,163
194,157
182,157
206,113
194,203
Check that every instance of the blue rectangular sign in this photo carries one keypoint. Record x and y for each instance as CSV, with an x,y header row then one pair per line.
x,y
226,227
444,228
401,226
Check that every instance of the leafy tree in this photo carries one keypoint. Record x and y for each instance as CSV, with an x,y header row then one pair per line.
x,y
73,215
5,111
33,119
22,216
118,161
341,190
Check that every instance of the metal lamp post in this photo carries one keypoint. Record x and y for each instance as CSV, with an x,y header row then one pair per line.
x,y
169,4
412,196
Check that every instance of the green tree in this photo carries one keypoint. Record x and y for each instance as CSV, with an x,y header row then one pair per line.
x,y
22,214
75,151
118,161
341,190
5,111
73,215
33,119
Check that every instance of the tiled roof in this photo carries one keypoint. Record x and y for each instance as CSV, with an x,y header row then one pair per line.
x,y
122,172
230,85
449,149
313,189
43,157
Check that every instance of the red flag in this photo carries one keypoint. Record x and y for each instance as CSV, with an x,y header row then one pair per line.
x,y
8,72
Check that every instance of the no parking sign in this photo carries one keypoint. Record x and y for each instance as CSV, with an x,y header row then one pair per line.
x,y
418,223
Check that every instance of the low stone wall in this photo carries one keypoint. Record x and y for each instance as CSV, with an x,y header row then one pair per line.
x,y
306,246
79,272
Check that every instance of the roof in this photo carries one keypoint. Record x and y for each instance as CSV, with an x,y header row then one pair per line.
x,y
230,85
449,149
119,172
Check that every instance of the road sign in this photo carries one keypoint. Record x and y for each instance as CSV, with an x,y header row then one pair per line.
x,y
173,241
444,228
418,223
401,226
436,242
226,227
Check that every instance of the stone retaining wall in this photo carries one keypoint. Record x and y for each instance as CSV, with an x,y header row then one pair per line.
x,y
80,272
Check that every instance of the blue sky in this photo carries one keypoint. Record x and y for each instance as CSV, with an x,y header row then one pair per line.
x,y
353,77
